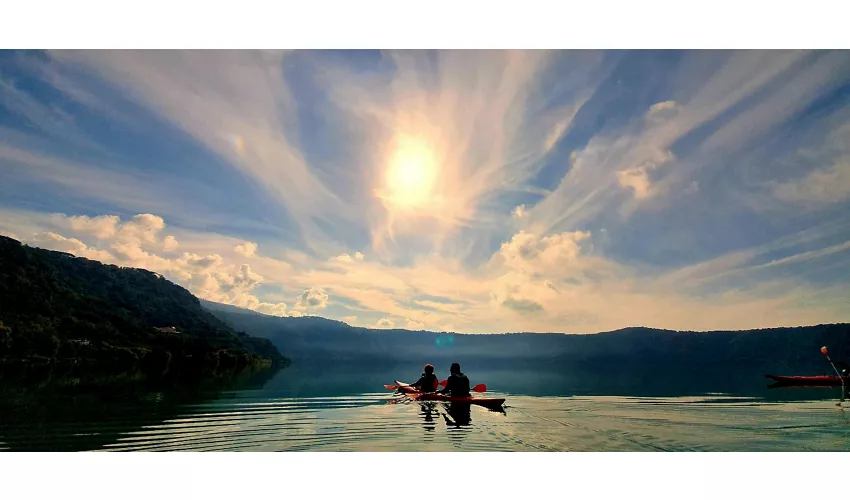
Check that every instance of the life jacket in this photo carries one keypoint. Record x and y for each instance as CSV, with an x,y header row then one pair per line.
x,y
458,385
429,383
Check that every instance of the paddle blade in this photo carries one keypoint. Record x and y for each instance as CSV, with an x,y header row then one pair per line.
x,y
444,382
824,351
391,387
480,388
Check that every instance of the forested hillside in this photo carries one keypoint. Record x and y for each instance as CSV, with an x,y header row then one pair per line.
x,y
57,308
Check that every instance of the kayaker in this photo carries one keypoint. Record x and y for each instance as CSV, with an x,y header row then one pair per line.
x,y
457,384
428,381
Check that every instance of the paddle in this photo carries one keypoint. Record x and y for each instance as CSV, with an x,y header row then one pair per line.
x,y
825,352
477,388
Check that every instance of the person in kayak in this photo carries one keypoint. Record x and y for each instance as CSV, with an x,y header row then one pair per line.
x,y
428,381
457,384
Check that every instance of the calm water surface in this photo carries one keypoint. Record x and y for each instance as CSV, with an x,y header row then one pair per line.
x,y
287,414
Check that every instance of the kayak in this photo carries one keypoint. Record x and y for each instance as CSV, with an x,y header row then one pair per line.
x,y
431,396
808,381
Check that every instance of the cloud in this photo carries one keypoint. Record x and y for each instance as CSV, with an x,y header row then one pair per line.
x,y
530,252
821,187
522,306
103,227
53,241
278,309
532,153
248,249
313,298
385,323
534,283
519,212
214,98
351,320
414,325
661,107
136,243
661,112
637,179
170,243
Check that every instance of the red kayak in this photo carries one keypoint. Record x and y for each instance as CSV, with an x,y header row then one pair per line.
x,y
809,381
431,396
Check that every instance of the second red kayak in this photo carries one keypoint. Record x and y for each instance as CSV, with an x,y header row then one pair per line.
x,y
430,396
809,381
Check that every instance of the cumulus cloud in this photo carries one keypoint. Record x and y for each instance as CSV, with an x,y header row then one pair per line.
x,y
636,179
247,249
520,293
385,323
73,246
278,309
313,298
136,243
414,325
528,251
102,227
534,283
491,126
143,229
170,243
347,258
343,259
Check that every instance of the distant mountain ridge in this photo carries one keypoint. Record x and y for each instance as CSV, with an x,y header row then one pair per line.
x,y
634,349
56,307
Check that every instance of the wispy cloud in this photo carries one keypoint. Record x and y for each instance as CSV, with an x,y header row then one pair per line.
x,y
459,190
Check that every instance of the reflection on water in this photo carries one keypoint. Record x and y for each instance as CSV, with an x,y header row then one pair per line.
x,y
295,411
461,414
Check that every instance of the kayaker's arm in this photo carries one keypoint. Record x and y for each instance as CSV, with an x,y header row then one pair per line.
x,y
447,388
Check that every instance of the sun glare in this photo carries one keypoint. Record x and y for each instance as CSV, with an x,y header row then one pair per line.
x,y
411,174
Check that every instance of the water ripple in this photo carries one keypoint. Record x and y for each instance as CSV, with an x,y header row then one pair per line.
x,y
381,422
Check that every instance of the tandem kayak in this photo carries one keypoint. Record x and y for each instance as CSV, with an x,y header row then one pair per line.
x,y
808,381
431,396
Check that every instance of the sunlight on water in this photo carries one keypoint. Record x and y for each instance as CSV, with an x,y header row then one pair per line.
x,y
337,411
370,422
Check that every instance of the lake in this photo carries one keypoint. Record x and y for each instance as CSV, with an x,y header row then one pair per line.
x,y
344,409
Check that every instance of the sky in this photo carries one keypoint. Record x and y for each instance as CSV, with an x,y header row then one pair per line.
x,y
462,191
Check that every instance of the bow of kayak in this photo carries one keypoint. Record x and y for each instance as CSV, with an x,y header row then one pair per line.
x,y
433,396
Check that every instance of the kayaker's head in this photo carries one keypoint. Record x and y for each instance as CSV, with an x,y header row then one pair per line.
x,y
429,369
455,368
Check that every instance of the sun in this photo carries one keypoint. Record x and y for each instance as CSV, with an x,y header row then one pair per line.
x,y
411,174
